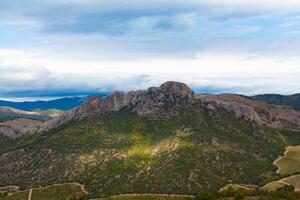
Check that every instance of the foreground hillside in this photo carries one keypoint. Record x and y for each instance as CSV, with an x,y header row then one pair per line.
x,y
164,140
121,152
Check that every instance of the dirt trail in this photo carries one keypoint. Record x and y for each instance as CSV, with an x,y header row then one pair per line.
x,y
82,187
137,195
29,194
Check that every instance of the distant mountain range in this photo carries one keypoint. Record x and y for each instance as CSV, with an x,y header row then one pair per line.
x,y
68,103
58,104
292,101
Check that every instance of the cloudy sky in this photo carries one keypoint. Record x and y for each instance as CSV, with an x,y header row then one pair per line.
x,y
77,47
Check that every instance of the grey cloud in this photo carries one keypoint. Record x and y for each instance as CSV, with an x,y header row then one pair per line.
x,y
114,17
38,81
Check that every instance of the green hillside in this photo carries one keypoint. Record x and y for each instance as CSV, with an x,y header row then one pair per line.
x,y
292,101
120,152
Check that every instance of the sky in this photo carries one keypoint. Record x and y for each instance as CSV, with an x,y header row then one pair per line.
x,y
80,47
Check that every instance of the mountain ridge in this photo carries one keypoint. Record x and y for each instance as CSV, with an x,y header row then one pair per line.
x,y
60,104
292,101
170,99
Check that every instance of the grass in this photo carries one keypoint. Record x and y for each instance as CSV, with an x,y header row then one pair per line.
x,y
54,192
290,162
272,186
148,197
22,195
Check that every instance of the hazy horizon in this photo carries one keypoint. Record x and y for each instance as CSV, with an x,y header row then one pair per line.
x,y
49,98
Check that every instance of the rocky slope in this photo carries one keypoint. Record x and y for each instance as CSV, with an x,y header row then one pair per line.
x,y
19,128
259,112
18,123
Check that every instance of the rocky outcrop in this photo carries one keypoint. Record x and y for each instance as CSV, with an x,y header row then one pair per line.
x,y
164,101
167,100
259,112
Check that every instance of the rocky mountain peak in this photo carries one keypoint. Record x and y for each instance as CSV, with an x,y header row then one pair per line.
x,y
156,102
177,88
167,100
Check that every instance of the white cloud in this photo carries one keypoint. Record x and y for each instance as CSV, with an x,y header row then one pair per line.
x,y
238,72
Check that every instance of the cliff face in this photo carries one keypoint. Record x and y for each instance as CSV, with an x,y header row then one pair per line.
x,y
164,101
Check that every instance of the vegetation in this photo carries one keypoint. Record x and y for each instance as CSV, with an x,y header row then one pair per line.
x,y
75,192
119,153
274,185
21,195
292,101
54,192
292,136
65,191
148,197
290,162
241,194
294,181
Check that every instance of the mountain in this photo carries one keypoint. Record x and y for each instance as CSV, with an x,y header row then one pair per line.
x,y
59,104
7,113
16,123
165,139
292,101
257,111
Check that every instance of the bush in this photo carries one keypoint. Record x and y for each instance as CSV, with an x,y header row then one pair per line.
x,y
207,196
